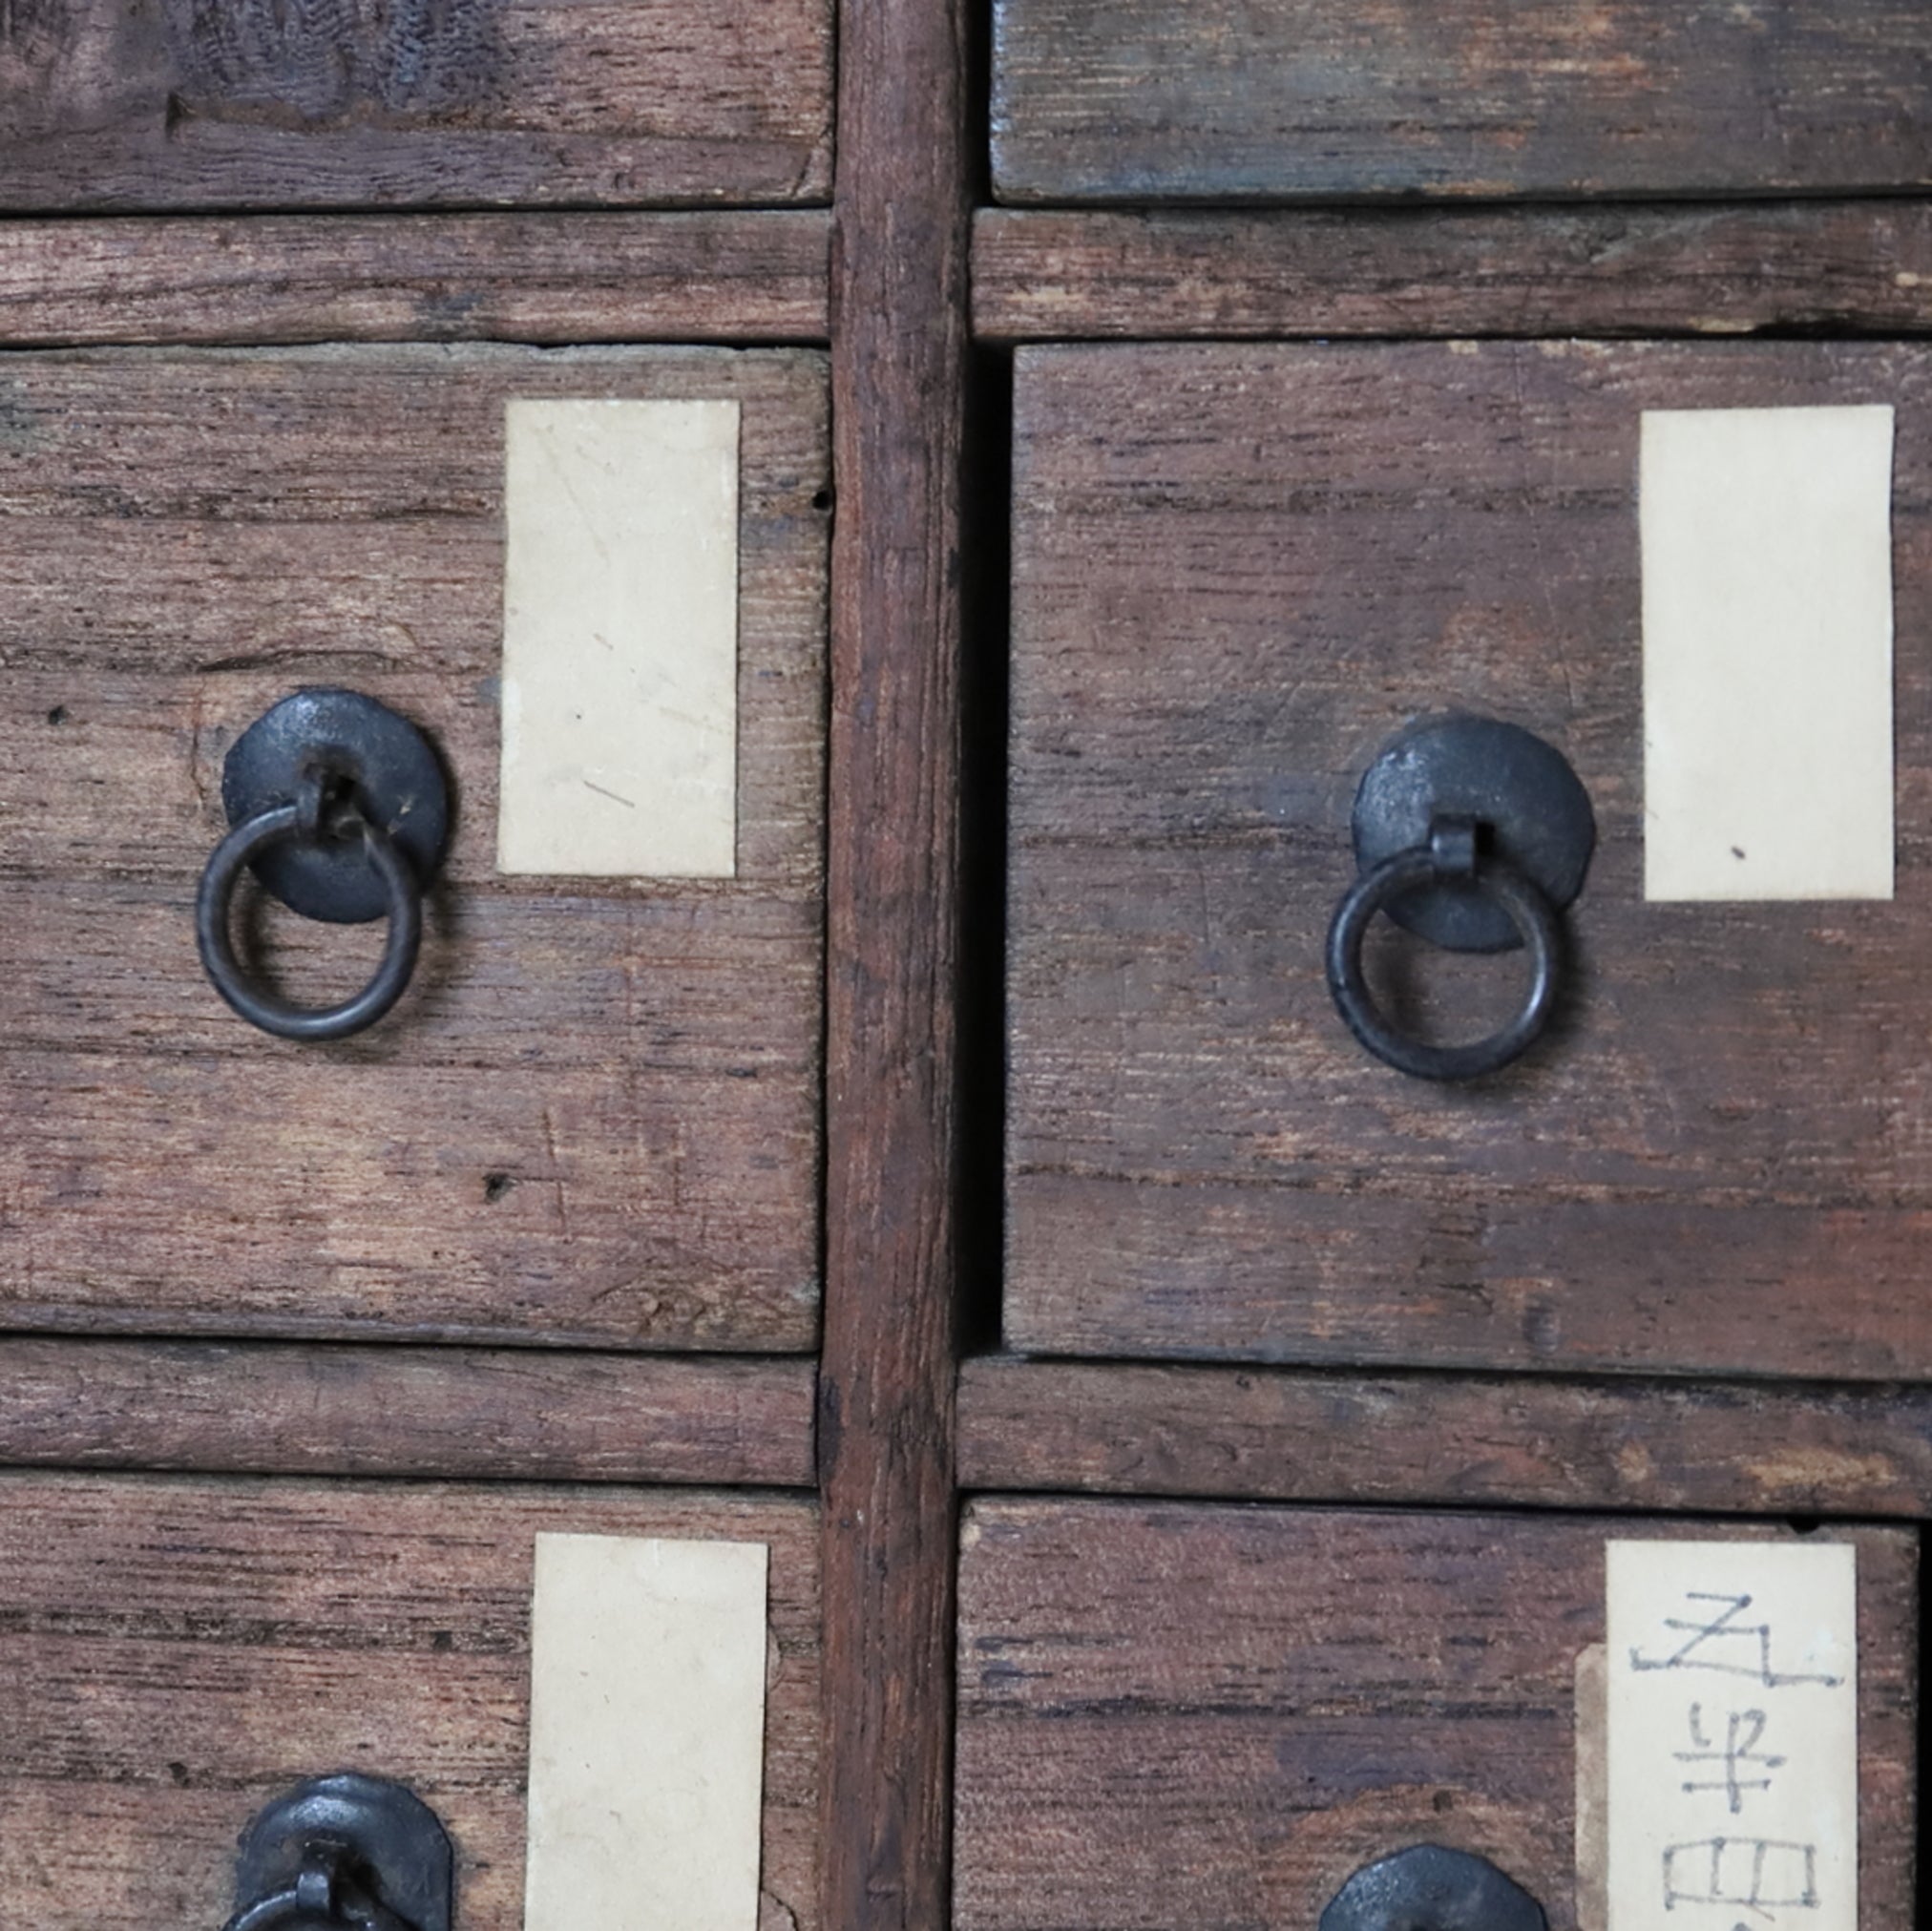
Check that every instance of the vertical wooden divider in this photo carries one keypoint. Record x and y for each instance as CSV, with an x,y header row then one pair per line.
x,y
899,319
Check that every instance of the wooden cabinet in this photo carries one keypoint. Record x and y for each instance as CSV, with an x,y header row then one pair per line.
x,y
1237,572
1159,100
176,1652
685,1199
1177,1713
596,1118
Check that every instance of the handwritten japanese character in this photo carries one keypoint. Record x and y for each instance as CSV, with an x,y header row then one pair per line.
x,y
1744,1730
1702,1637
1759,1874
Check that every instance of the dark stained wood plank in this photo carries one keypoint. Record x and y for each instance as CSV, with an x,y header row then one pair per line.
x,y
752,276
1461,1440
1148,100
1238,570
596,1120
176,1652
899,296
1852,267
119,104
527,1414
1212,1715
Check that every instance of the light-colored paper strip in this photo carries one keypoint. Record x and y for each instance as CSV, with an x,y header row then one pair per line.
x,y
620,640
1767,653
1592,1787
646,1735
1734,1755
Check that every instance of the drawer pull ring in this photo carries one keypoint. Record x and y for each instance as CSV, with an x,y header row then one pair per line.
x,y
1428,1888
345,1852
340,808
1474,835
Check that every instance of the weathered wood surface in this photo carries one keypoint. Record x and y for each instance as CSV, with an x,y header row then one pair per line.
x,y
174,1653
1130,100
1853,267
899,270
269,1408
1461,1440
752,276
595,1117
191,104
1210,1715
1237,572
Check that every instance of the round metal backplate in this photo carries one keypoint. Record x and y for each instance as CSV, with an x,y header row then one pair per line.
x,y
1428,1888
1529,807
396,778
393,1837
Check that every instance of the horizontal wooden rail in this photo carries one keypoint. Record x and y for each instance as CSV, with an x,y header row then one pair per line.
x,y
1849,267
319,1410
1771,1448
724,277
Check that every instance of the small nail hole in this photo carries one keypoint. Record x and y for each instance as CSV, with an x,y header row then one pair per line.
x,y
495,1185
57,715
821,499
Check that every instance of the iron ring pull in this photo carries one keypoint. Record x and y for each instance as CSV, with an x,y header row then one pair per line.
x,y
1453,857
341,808
308,819
344,1853
1429,1887
319,1900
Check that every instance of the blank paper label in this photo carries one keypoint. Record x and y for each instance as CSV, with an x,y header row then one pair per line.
x,y
1733,1757
1767,653
646,1735
620,640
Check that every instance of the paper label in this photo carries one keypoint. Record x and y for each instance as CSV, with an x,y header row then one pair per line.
x,y
1767,653
1733,1763
620,640
646,1735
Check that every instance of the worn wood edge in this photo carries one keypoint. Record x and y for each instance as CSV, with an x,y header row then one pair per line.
x,y
1849,266
1423,1438
322,1409
759,276
901,232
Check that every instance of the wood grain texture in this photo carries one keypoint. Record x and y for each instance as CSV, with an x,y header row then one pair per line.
x,y
1134,100
899,268
268,1408
1853,267
595,1117
174,1653
1237,572
198,104
1212,1715
555,278
1460,1441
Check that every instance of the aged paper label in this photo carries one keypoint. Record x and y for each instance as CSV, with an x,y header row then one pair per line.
x,y
646,1735
1733,1759
620,640
1767,653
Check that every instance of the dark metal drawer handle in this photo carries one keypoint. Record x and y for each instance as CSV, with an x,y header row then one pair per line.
x,y
345,1852
1430,1888
340,807
1474,835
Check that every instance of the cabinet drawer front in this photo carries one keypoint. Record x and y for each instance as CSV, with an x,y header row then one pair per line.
x,y
178,1652
1238,572
1207,100
1182,1714
595,1116
112,104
